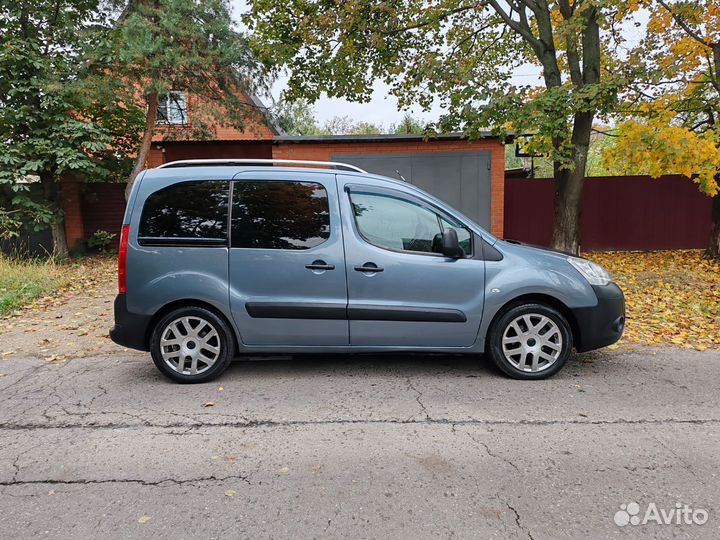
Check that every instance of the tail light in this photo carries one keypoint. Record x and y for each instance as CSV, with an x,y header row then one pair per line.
x,y
122,259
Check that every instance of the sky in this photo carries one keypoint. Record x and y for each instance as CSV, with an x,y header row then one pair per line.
x,y
383,108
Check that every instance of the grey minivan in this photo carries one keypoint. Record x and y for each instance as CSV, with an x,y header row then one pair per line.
x,y
226,257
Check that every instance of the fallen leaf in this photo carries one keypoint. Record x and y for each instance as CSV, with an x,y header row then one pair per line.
x,y
220,388
208,404
583,414
144,519
8,353
284,470
56,358
51,493
230,492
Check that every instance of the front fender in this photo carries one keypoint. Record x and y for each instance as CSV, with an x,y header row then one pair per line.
x,y
507,280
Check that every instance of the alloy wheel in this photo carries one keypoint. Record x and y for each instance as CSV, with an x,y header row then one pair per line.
x,y
190,345
532,342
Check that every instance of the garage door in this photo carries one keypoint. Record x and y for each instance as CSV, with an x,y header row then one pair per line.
x,y
461,179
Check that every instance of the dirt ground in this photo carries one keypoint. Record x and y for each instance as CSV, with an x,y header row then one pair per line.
x,y
72,322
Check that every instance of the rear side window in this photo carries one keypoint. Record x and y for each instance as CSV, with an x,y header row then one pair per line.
x,y
279,215
195,211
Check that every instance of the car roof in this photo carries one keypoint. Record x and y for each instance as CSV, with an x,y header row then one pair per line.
x,y
210,172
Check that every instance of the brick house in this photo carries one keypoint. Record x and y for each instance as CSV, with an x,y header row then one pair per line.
x,y
467,174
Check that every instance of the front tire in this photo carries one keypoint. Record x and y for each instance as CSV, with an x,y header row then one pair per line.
x,y
530,341
192,345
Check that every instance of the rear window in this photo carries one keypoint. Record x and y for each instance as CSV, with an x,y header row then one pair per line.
x,y
279,215
194,211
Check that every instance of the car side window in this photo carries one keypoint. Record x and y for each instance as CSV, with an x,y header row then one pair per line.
x,y
194,210
279,215
402,224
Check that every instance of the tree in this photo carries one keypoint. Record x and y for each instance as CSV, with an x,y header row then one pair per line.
x,y
345,125
408,125
176,45
295,118
298,118
58,116
674,109
465,53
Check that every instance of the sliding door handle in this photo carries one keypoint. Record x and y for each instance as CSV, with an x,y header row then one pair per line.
x,y
320,265
369,268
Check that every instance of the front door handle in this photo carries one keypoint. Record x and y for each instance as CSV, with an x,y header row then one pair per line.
x,y
320,265
369,267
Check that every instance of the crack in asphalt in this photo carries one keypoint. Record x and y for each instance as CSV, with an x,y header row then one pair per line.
x,y
418,397
10,426
517,520
157,483
491,454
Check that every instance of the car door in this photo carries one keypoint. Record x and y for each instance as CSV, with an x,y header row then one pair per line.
x,y
401,290
287,273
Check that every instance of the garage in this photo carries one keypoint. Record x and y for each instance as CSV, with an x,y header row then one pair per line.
x,y
461,179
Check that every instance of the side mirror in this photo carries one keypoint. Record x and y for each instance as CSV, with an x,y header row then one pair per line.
x,y
450,246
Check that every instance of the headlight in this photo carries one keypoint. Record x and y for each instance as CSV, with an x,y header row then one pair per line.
x,y
594,273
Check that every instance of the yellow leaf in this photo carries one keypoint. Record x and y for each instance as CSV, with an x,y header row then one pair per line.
x,y
230,492
144,519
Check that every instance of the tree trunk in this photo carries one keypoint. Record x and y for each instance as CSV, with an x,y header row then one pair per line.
x,y
569,183
567,210
569,187
152,109
57,225
713,250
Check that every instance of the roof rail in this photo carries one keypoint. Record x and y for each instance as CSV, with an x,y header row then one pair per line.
x,y
219,162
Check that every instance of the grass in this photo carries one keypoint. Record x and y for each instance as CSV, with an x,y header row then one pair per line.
x,y
671,296
36,284
23,280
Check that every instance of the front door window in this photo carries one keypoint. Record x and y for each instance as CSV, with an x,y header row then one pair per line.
x,y
402,224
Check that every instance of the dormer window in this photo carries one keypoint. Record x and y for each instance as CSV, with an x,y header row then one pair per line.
x,y
172,108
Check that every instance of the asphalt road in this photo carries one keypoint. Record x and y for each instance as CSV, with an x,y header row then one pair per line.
x,y
361,447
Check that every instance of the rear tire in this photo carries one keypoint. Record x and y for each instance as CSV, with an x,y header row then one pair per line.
x,y
192,345
530,341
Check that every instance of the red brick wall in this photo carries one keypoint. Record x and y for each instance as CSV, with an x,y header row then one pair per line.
x,y
256,128
324,152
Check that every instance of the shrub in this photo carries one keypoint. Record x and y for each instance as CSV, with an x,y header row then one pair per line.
x,y
101,240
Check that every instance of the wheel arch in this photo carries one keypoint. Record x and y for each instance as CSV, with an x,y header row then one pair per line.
x,y
538,298
183,303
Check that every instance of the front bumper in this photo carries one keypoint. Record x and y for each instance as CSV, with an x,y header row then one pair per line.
x,y
131,329
603,324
